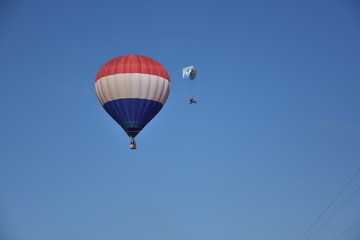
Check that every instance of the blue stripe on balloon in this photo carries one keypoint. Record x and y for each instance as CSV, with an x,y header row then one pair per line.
x,y
132,114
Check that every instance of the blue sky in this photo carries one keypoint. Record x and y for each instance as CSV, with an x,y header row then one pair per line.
x,y
274,137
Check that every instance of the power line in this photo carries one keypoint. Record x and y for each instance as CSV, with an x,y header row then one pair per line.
x,y
343,205
331,203
346,230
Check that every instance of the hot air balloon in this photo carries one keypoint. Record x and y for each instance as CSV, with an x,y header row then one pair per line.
x,y
132,89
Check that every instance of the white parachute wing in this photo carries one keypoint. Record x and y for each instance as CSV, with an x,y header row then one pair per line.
x,y
189,72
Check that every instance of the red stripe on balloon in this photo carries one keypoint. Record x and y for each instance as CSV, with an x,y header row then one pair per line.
x,y
133,64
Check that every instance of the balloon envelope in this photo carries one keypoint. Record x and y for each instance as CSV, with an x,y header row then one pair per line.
x,y
132,89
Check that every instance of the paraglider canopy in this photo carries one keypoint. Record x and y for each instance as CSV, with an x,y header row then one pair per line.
x,y
189,72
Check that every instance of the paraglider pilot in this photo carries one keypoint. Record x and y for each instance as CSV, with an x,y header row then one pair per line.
x,y
192,100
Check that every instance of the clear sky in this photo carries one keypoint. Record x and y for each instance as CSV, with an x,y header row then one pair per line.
x,y
274,136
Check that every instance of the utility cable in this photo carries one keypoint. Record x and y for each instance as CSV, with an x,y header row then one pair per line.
x,y
331,203
346,230
343,205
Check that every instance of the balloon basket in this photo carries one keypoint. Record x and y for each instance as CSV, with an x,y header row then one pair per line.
x,y
132,145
